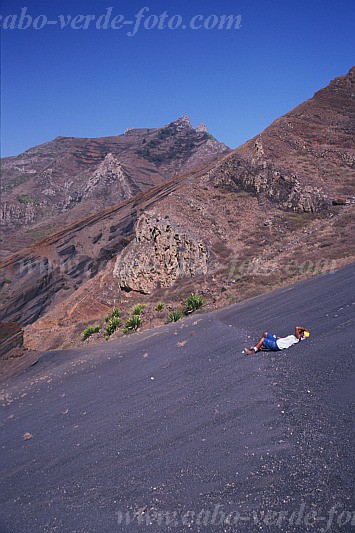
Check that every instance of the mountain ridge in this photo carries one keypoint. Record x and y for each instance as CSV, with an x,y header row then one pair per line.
x,y
248,221
295,160
67,178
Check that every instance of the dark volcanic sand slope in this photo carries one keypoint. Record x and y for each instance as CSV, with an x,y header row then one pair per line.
x,y
179,419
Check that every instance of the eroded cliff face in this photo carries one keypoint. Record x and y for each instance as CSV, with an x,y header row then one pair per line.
x,y
11,338
18,213
110,173
257,175
208,230
161,252
305,159
67,179
54,198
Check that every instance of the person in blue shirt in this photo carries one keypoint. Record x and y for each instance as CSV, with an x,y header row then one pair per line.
x,y
273,343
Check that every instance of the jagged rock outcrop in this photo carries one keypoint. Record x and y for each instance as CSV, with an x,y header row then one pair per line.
x,y
201,128
305,159
33,280
110,172
161,253
282,188
64,180
11,337
183,123
12,213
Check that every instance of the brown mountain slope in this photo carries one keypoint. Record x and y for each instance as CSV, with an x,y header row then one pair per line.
x,y
66,179
304,160
198,239
57,265
230,230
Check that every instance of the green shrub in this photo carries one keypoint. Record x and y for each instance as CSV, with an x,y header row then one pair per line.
x,y
112,314
90,331
160,306
26,199
211,137
133,322
193,302
175,315
137,310
111,326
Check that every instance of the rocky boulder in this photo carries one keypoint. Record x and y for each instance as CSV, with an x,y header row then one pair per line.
x,y
161,253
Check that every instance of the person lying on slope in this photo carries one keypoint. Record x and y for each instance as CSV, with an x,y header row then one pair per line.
x,y
273,343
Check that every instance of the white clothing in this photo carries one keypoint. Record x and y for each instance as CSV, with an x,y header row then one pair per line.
x,y
286,342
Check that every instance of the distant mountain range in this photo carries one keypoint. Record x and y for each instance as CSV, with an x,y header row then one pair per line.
x,y
66,179
154,215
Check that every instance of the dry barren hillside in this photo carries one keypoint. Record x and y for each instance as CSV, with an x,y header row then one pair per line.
x,y
68,178
305,160
276,210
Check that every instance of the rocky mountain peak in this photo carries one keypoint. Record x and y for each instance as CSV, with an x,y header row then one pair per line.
x,y
340,91
183,123
203,230
68,178
109,171
110,163
201,128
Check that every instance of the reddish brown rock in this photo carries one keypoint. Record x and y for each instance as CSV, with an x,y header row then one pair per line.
x,y
11,337
267,215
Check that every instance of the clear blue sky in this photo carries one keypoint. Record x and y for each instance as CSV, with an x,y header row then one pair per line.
x,y
91,83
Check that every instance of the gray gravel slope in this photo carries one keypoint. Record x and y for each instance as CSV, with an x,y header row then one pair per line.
x,y
178,421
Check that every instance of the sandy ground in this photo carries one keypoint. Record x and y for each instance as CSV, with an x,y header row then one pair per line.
x,y
179,421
